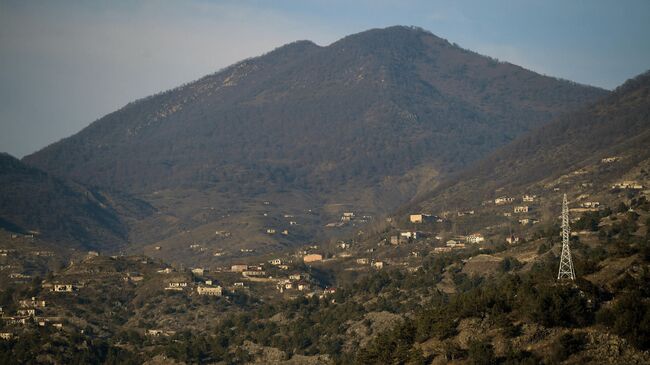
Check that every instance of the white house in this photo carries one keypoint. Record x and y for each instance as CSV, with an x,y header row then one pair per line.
x,y
475,238
63,288
503,200
521,209
529,198
215,291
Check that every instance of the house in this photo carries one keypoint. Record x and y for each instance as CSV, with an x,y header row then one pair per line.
x,y
474,238
176,285
347,216
312,258
166,270
198,271
15,320
503,200
30,303
378,264
63,288
214,291
157,333
419,218
590,204
521,209
6,335
295,277
410,235
394,240
302,285
465,212
329,291
362,261
276,262
238,268
512,239
270,230
442,249
283,267
610,159
17,275
454,244
133,278
28,312
627,185
239,284
253,273
343,245
529,198
526,221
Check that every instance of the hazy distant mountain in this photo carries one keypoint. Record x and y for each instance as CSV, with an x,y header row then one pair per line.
x,y
616,126
59,211
371,117
372,104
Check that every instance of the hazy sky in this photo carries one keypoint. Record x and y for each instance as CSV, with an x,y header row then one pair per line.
x,y
64,64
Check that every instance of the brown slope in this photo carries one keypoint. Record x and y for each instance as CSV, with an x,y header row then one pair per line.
x,y
69,214
618,125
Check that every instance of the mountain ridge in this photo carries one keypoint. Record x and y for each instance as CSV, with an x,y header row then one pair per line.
x,y
370,118
616,125
62,212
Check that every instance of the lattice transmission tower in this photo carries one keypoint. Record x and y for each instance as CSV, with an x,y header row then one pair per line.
x,y
566,264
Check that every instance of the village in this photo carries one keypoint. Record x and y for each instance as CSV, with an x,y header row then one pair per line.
x,y
53,299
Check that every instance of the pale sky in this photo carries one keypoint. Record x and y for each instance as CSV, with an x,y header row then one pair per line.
x,y
64,64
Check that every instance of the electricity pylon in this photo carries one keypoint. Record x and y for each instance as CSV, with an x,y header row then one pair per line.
x,y
566,264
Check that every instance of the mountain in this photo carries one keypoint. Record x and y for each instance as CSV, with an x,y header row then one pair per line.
x,y
35,202
362,124
585,151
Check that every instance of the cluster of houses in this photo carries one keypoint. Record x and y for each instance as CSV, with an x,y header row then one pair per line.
x,y
628,184
205,288
377,264
504,200
248,270
295,281
406,237
29,311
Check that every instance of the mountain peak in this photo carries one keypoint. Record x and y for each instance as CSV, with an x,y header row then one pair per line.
x,y
394,36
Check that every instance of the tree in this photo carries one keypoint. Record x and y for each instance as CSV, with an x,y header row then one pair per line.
x,y
481,353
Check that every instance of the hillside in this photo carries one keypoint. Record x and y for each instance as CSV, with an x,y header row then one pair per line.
x,y
34,202
569,154
366,123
